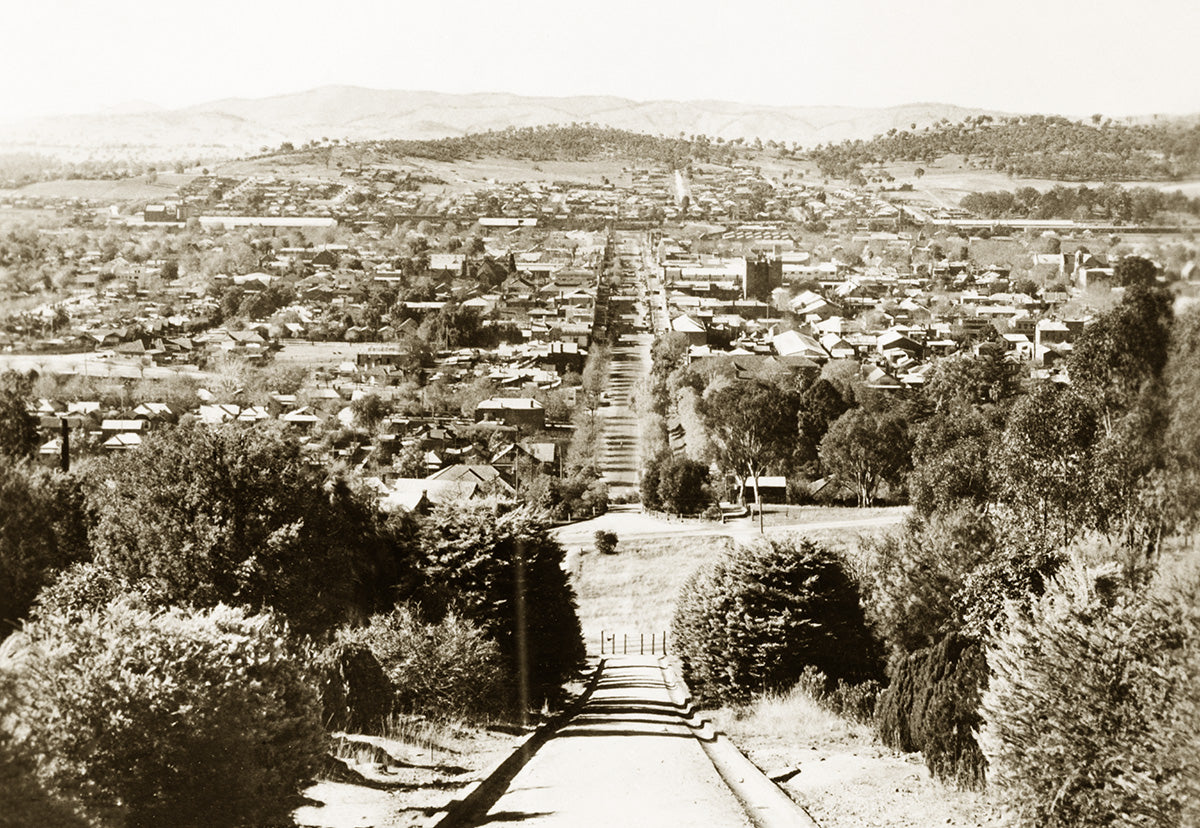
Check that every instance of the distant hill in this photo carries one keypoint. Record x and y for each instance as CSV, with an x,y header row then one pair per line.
x,y
238,126
1036,146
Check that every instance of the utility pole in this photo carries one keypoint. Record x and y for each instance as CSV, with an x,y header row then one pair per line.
x,y
522,632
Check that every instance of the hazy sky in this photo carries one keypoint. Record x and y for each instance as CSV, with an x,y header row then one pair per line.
x,y
1066,56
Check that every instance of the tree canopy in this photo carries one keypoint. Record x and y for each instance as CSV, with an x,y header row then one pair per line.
x,y
753,425
863,449
472,558
237,515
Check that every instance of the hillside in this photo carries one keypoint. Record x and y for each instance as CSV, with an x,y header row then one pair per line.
x,y
239,126
1034,146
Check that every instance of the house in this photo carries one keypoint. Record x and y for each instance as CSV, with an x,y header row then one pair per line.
x,y
114,426
522,412
690,327
837,347
486,476
416,494
514,457
123,442
1018,345
897,340
794,343
882,380
302,418
771,488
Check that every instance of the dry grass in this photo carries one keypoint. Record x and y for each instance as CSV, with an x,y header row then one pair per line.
x,y
792,718
840,773
138,188
634,591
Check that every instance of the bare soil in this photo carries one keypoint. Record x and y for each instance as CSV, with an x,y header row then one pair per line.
x,y
392,783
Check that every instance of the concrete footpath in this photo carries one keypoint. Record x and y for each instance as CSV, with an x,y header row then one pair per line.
x,y
628,758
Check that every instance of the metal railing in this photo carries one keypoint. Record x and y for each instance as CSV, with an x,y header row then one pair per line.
x,y
632,643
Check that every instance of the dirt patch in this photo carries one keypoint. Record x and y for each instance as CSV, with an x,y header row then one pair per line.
x,y
841,774
389,783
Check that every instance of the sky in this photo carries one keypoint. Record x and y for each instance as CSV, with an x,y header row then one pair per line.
x,y
1052,56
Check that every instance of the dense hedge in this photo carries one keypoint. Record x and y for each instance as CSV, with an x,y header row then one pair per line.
x,y
931,704
754,620
355,692
181,718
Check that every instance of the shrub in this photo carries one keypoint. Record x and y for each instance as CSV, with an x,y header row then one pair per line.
x,y
931,704
182,718
1093,712
473,558
355,693
606,542
752,621
82,589
24,803
853,701
447,666
683,485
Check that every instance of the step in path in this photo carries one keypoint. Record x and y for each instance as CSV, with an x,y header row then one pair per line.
x,y
628,758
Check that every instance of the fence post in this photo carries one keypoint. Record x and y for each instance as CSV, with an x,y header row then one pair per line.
x,y
602,642
625,644
664,642
642,643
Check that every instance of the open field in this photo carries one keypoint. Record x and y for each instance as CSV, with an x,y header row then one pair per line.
x,y
947,180
634,591
125,189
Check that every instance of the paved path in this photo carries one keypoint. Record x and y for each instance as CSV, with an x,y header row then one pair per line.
x,y
620,451
627,759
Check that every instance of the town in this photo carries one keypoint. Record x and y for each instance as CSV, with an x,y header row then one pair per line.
x,y
369,474
406,327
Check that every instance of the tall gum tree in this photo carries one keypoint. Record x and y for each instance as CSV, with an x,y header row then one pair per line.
x,y
753,426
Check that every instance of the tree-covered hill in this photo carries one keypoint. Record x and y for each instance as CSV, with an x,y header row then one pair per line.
x,y
1034,146
573,142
